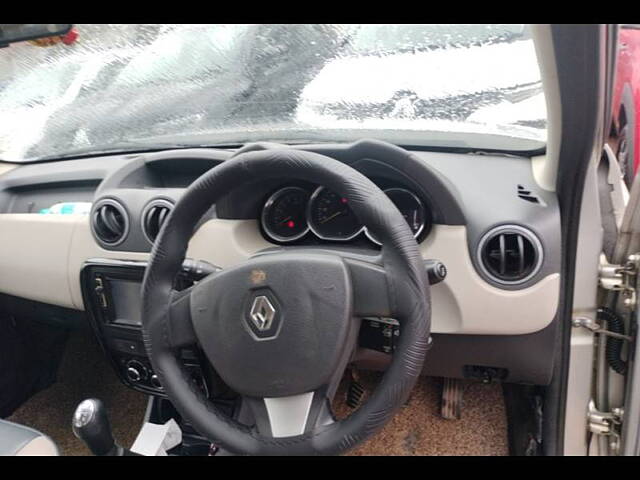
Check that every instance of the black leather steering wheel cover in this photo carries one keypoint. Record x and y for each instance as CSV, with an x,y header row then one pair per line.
x,y
408,294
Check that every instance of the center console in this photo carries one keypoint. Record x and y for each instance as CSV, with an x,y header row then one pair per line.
x,y
112,296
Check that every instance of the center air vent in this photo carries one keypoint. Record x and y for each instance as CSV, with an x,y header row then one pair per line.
x,y
109,222
154,216
510,254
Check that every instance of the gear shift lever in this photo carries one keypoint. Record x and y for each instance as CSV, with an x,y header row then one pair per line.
x,y
91,425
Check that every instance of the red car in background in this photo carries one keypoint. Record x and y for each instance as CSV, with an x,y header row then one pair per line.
x,y
624,138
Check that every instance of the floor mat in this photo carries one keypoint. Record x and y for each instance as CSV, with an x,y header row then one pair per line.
x,y
418,428
84,373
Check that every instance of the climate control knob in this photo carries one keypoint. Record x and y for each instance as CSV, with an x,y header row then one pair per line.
x,y
135,371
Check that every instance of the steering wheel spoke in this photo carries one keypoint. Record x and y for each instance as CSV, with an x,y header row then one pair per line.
x,y
290,416
180,326
370,289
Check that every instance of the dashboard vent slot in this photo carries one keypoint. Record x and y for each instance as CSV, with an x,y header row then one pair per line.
x,y
109,222
528,196
154,216
510,254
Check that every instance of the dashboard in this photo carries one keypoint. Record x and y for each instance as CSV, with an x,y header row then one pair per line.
x,y
484,216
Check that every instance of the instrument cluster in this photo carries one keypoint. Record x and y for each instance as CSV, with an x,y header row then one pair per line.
x,y
292,213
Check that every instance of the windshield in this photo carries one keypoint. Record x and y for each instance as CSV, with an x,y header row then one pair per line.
x,y
131,87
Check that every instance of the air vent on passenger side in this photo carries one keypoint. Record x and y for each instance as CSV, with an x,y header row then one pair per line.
x,y
510,254
154,216
109,222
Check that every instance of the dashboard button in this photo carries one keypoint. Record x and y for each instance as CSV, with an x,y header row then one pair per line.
x,y
155,381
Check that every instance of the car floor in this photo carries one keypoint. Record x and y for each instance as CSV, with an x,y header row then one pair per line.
x,y
417,429
84,373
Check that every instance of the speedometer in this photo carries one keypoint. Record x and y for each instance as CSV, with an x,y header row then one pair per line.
x,y
331,218
284,215
411,208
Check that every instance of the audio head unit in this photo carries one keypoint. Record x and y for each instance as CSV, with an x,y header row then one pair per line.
x,y
112,293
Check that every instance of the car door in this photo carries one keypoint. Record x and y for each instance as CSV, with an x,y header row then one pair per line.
x,y
615,411
627,255
614,414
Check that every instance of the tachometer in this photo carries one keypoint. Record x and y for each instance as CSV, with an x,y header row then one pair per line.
x,y
284,215
330,216
411,208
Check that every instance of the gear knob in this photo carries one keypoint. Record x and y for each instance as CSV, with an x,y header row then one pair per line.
x,y
91,424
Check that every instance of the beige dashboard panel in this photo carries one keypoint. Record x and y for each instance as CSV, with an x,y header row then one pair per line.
x,y
465,303
34,256
45,254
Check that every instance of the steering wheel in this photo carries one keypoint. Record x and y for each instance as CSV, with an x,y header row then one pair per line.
x,y
281,327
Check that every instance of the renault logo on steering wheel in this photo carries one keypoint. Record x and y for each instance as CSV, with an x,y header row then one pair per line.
x,y
262,313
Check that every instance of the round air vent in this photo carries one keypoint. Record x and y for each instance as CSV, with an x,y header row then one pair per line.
x,y
109,222
154,216
510,254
